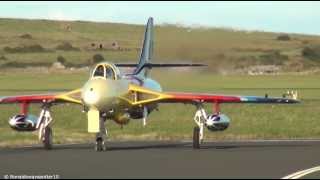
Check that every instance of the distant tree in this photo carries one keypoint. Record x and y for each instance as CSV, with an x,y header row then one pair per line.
x,y
3,58
25,49
97,58
26,36
311,52
273,58
284,37
66,46
61,59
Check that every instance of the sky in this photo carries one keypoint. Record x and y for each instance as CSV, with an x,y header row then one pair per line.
x,y
278,16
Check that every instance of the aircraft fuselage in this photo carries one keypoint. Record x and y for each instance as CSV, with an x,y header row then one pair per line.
x,y
111,96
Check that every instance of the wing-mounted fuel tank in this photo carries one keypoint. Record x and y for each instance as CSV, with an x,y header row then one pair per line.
x,y
217,122
23,122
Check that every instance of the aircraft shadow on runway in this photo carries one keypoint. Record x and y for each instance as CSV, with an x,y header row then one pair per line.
x,y
188,146
127,146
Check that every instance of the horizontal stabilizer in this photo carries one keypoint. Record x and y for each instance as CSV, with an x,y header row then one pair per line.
x,y
152,65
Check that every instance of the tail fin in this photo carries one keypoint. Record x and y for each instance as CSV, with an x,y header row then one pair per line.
x,y
145,64
147,50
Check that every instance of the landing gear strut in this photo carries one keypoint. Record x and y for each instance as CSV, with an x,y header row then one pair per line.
x,y
198,131
100,136
45,131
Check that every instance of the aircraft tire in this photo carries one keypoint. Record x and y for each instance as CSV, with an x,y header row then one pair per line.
x,y
196,138
48,138
99,145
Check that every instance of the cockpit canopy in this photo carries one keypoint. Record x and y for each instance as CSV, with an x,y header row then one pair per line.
x,y
106,71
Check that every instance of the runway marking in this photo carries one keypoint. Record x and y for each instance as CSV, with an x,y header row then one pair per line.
x,y
259,141
302,173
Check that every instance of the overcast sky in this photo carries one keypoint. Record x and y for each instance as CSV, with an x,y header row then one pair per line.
x,y
297,17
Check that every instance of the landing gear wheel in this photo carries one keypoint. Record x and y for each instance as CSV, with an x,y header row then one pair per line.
x,y
47,138
100,145
196,138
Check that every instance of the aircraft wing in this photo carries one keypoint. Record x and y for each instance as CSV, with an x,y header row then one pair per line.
x,y
147,96
215,98
68,97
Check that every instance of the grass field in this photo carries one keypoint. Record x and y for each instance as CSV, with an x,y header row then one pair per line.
x,y
221,49
249,121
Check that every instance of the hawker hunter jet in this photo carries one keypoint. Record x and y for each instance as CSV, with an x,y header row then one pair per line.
x,y
111,95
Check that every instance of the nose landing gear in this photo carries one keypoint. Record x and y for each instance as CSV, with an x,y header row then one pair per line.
x,y
100,136
100,146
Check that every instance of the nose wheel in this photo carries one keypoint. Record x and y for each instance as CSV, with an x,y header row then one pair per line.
x,y
100,146
100,136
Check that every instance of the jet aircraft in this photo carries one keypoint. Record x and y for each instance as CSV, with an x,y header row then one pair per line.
x,y
111,95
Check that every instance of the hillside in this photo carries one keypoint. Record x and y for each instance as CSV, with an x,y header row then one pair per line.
x,y
40,42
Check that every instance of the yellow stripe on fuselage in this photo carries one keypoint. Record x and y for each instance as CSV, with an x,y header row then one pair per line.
x,y
68,96
134,88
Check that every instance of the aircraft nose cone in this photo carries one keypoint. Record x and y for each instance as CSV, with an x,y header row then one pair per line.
x,y
90,96
103,94
95,91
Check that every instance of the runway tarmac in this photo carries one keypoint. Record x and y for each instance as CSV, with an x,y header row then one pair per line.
x,y
255,159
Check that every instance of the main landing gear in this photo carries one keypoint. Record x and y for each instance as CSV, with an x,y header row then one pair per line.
x,y
198,131
196,138
100,136
45,133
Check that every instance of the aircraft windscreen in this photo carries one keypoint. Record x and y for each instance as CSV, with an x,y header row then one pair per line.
x,y
110,73
104,71
99,72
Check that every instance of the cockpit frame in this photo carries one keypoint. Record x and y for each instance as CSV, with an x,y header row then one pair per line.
x,y
105,71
